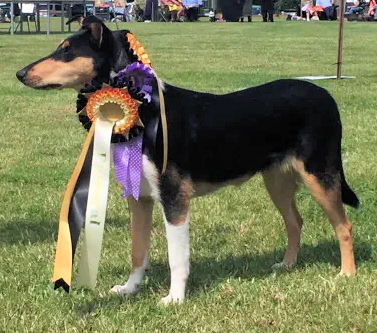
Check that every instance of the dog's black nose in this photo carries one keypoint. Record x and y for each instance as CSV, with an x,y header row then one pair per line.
x,y
21,74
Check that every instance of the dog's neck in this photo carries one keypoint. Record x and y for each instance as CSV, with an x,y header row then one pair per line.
x,y
117,49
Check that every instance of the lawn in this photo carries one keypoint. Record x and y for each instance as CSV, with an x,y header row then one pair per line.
x,y
236,234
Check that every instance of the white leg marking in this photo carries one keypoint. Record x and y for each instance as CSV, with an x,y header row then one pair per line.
x,y
179,260
149,186
134,280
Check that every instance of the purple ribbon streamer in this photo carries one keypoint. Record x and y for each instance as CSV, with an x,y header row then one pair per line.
x,y
128,165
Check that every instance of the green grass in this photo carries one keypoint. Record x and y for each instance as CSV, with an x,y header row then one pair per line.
x,y
236,234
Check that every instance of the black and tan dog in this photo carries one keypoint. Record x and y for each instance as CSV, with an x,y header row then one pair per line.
x,y
289,130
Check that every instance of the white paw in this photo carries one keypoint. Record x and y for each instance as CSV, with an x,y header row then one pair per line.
x,y
172,300
341,273
282,266
124,290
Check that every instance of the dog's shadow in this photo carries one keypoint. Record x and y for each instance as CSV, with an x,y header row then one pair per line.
x,y
27,231
207,273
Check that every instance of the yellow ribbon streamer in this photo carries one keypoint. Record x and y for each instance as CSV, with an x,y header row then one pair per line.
x,y
63,255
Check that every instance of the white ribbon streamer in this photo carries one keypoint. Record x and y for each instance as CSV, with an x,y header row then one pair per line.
x,y
96,206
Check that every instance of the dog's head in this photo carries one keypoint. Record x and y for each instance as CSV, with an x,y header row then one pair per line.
x,y
91,53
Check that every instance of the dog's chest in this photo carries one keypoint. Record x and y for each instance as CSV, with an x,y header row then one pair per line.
x,y
149,186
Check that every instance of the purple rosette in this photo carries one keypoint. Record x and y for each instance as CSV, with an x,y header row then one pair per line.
x,y
139,76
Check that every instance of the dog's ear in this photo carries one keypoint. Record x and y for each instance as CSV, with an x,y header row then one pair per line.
x,y
95,26
96,30
92,24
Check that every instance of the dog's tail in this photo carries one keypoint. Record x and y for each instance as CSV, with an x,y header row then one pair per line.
x,y
348,195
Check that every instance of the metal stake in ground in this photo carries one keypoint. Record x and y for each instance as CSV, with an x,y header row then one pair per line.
x,y
340,40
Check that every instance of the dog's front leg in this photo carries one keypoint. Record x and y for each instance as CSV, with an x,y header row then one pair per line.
x,y
177,234
141,223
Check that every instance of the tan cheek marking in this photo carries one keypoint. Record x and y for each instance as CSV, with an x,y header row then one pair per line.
x,y
82,66
80,70
43,68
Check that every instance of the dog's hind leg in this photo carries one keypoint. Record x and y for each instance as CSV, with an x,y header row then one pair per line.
x,y
141,223
329,197
281,185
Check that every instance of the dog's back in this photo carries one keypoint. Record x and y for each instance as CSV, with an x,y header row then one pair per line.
x,y
227,136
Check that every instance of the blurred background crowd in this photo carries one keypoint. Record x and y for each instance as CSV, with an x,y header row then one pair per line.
x,y
195,10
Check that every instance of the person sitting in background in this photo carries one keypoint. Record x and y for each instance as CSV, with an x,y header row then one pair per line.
x,y
118,9
354,7
139,13
310,11
329,8
372,11
175,9
192,9
129,11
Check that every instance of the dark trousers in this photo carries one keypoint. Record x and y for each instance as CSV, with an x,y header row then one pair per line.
x,y
192,14
268,15
249,19
151,7
331,13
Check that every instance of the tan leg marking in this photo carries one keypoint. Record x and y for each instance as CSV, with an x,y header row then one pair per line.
x,y
176,204
141,223
331,202
281,186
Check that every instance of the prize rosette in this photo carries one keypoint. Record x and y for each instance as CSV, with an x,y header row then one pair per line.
x,y
114,105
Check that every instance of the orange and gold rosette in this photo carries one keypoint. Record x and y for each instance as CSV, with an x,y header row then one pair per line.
x,y
138,50
114,105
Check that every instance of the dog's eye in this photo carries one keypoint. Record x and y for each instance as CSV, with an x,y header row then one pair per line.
x,y
66,49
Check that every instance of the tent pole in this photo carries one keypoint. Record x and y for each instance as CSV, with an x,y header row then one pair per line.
x,y
340,40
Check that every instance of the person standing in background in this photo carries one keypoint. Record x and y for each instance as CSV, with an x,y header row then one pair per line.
x,y
247,10
267,9
151,8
